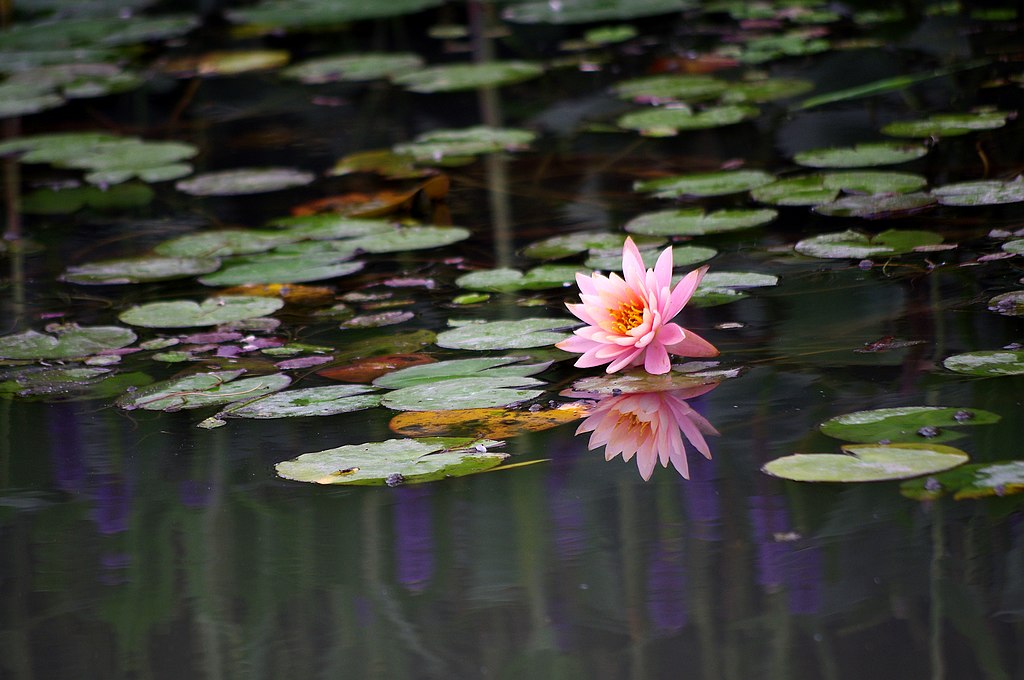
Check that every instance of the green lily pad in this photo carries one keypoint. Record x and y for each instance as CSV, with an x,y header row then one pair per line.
x,y
67,201
977,480
509,280
947,124
1008,304
353,67
587,11
483,367
22,99
861,155
401,239
392,462
720,183
211,312
68,342
565,245
984,192
905,424
682,256
245,181
1016,247
610,35
824,188
455,77
139,269
498,335
140,29
223,242
695,221
791,44
385,344
435,146
274,268
638,381
276,14
719,288
852,244
989,363
49,384
78,80
867,463
670,121
766,90
310,401
876,206
668,88
461,393
201,389
325,227
384,162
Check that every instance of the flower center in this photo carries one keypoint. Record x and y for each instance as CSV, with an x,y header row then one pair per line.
x,y
628,316
630,423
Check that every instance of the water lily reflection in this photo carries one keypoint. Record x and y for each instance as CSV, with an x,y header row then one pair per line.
x,y
651,426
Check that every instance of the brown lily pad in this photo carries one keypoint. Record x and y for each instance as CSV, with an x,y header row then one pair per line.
x,y
370,368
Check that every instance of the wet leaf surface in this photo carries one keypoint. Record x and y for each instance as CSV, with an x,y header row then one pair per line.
x,y
498,335
978,480
463,393
244,181
309,401
852,244
867,463
370,368
201,389
67,343
139,269
393,462
905,424
483,422
989,363
720,183
696,222
455,77
210,312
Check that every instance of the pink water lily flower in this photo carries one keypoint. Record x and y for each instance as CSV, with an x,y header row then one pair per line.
x,y
650,425
629,318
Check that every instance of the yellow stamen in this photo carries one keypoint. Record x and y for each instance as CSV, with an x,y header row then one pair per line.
x,y
631,424
628,316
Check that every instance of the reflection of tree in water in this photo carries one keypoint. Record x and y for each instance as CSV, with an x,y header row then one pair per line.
x,y
650,425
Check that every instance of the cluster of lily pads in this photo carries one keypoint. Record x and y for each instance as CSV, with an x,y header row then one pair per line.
x,y
240,368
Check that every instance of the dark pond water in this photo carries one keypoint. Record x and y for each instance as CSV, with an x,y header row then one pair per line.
x,y
136,545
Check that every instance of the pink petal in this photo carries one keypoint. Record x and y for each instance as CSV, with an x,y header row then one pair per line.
x,y
692,345
684,291
633,269
670,334
663,269
657,362
581,312
624,360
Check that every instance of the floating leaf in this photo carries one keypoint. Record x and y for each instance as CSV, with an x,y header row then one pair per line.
x,y
211,312
704,184
22,99
497,335
861,155
823,188
984,192
682,256
244,181
483,422
876,206
1008,304
867,463
695,221
905,424
274,268
670,121
454,77
609,35
508,280
67,343
383,162
392,462
78,80
947,124
370,368
668,88
383,345
565,245
228,62
639,381
67,201
325,227
462,393
852,244
67,383
435,146
766,90
978,480
401,239
201,389
224,242
353,67
377,320
587,11
483,367
138,269
989,363
310,401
